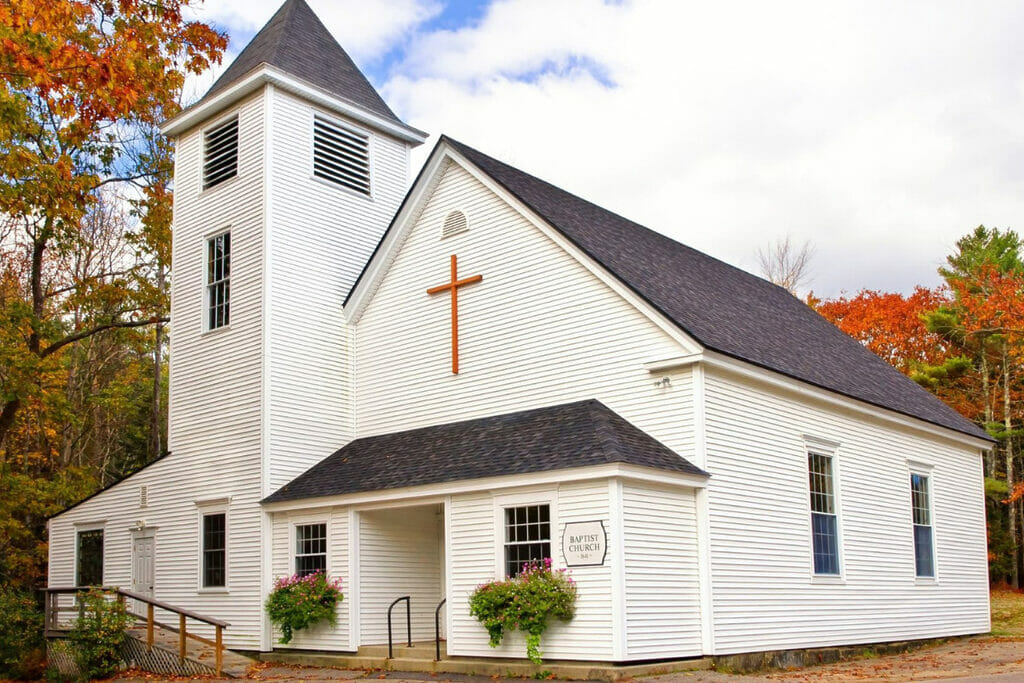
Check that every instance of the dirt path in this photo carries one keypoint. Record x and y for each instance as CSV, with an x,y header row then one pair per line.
x,y
970,659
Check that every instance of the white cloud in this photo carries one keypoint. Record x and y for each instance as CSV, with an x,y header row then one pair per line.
x,y
365,29
880,131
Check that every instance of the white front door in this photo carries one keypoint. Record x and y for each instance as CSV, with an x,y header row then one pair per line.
x,y
142,563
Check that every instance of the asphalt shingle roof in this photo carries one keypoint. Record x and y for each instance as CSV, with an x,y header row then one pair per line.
x,y
724,308
297,42
559,437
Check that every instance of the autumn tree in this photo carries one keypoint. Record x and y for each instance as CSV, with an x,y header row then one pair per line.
x,y
84,247
964,342
985,320
891,325
84,83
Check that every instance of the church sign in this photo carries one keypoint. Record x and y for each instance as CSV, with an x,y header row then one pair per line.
x,y
584,544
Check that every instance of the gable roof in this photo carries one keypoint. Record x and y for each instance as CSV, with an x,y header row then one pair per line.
x,y
724,308
565,436
296,42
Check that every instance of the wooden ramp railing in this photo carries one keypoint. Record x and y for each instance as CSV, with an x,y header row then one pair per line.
x,y
55,628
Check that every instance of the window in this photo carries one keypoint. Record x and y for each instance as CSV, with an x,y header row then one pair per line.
x,y
310,548
924,551
824,523
341,155
220,153
215,550
527,536
89,571
218,281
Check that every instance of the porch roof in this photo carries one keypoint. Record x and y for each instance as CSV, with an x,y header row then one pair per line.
x,y
581,434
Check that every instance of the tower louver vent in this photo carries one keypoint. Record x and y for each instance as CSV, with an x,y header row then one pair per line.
x,y
220,153
454,222
143,496
341,155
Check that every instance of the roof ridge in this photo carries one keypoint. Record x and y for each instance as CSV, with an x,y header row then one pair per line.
x,y
653,233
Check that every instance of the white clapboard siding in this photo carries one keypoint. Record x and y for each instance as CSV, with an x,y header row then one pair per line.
x,y
399,554
539,330
214,405
763,594
321,235
662,576
322,636
475,546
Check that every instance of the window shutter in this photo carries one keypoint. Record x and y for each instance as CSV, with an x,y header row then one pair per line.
x,y
341,155
220,153
454,223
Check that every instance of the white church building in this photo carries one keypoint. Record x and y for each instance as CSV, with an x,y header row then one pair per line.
x,y
417,388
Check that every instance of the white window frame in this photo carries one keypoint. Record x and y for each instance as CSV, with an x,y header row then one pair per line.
x,y
207,285
830,449
90,526
924,470
370,149
546,496
213,507
293,537
202,152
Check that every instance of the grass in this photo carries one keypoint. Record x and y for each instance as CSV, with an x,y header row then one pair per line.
x,y
1007,612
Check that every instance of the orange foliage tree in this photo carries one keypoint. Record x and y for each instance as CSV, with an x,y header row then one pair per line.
x,y
84,241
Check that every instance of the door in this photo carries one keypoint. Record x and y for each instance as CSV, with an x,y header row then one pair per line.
x,y
142,563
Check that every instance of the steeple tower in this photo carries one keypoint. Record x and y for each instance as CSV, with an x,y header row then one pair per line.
x,y
296,42
287,173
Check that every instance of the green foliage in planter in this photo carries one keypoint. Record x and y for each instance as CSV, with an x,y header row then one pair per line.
x,y
22,652
525,603
99,634
300,602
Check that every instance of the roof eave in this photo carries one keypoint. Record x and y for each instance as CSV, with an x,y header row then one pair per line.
x,y
267,74
426,491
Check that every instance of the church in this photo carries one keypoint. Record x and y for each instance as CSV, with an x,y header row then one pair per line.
x,y
418,387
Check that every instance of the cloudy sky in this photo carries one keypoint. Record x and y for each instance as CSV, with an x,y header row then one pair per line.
x,y
878,131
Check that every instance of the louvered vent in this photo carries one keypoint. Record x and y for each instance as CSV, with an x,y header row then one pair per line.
x,y
341,155
454,223
220,153
143,496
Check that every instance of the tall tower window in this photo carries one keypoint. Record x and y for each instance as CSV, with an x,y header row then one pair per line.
x,y
341,154
218,280
220,153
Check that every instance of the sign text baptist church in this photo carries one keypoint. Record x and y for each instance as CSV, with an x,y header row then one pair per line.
x,y
584,544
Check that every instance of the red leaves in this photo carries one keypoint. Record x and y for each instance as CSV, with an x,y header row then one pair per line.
x,y
890,324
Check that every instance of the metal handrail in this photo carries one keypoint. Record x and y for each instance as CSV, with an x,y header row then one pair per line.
x,y
408,623
437,630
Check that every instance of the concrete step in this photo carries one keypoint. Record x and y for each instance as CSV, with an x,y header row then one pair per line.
x,y
418,650
489,666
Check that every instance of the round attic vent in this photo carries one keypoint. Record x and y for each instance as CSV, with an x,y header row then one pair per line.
x,y
454,222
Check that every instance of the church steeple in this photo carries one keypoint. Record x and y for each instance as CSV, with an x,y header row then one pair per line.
x,y
296,42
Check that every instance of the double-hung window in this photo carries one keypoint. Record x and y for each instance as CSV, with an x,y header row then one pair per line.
x,y
310,548
89,554
215,550
924,538
527,536
824,518
218,281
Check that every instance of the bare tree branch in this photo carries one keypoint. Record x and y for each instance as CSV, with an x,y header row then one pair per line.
x,y
786,264
84,334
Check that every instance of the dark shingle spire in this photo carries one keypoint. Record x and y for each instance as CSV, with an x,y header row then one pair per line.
x,y
296,42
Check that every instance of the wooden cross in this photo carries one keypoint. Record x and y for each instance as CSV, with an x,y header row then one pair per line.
x,y
453,286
